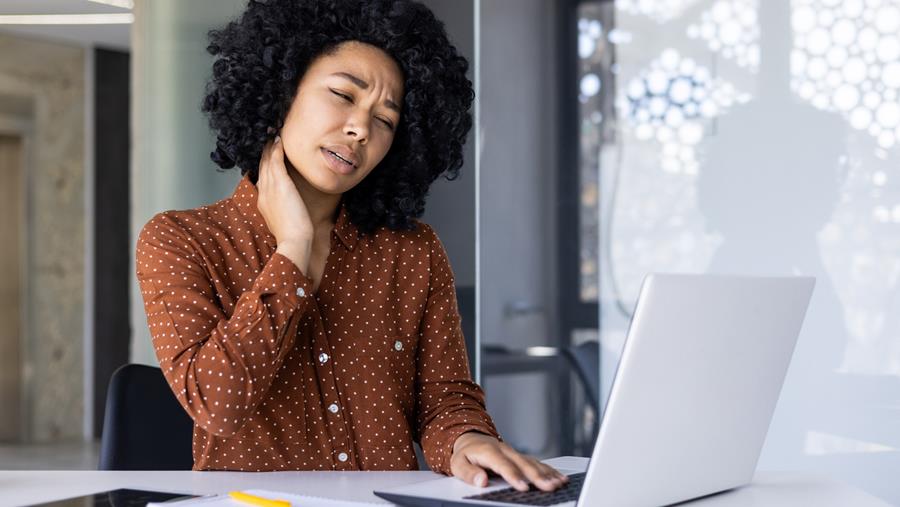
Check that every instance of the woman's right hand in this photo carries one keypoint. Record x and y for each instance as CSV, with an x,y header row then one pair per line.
x,y
282,207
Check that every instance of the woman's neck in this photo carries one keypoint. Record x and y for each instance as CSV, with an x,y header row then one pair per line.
x,y
322,207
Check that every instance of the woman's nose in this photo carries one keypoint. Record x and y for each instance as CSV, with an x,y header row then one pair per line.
x,y
358,128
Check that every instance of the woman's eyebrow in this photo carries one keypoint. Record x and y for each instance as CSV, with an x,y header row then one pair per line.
x,y
362,84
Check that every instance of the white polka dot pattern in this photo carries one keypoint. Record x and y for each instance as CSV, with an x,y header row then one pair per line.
x,y
277,376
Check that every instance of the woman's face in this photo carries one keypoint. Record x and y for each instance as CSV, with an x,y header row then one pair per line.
x,y
347,107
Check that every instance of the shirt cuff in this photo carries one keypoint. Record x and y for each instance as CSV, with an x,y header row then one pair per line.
x,y
449,438
282,277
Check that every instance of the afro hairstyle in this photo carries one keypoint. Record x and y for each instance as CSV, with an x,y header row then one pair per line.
x,y
260,57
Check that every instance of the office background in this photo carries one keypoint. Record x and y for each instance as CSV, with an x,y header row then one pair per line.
x,y
612,139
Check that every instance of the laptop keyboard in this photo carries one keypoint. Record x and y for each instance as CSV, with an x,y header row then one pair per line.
x,y
534,496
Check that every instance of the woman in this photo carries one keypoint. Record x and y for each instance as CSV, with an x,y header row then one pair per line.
x,y
309,321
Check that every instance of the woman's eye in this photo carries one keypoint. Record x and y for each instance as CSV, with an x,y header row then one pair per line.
x,y
343,96
349,99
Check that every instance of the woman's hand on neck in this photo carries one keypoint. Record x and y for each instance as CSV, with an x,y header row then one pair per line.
x,y
322,207
295,212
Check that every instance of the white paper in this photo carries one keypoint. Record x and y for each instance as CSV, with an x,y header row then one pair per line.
x,y
296,500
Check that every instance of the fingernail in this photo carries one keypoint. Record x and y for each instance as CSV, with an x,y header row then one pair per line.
x,y
277,139
481,480
523,484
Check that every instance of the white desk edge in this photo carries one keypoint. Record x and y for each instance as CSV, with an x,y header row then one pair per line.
x,y
769,489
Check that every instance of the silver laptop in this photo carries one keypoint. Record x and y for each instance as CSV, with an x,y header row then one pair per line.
x,y
700,373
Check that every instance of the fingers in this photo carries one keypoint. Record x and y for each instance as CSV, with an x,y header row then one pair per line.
x,y
281,205
468,472
543,476
263,173
516,469
497,461
555,474
274,164
272,171
276,159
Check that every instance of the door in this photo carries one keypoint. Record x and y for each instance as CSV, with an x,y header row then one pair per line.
x,y
10,289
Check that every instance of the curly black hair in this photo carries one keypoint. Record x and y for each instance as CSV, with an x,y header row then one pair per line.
x,y
260,57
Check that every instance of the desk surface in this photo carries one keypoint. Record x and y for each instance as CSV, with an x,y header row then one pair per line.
x,y
769,489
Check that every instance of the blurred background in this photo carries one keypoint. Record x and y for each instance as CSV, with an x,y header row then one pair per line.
x,y
612,139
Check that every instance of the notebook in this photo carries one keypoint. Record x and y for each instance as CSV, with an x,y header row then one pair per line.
x,y
224,500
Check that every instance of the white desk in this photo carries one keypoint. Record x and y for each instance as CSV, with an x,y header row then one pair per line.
x,y
769,489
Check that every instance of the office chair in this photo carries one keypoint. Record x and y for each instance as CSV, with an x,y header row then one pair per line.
x,y
585,360
144,427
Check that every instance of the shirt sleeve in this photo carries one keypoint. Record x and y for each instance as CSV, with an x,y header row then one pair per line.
x,y
219,367
449,403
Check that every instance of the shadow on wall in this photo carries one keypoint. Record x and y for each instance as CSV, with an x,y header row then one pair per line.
x,y
770,183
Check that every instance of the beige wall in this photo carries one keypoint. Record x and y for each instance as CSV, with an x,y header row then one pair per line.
x,y
10,287
49,77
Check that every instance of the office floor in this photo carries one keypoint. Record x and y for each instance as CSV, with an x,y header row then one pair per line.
x,y
65,456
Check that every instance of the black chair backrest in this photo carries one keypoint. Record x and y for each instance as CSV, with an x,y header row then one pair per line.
x,y
144,427
585,358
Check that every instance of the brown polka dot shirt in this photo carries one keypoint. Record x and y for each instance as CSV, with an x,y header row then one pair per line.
x,y
277,377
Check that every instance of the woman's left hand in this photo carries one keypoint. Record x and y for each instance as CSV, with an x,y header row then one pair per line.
x,y
474,454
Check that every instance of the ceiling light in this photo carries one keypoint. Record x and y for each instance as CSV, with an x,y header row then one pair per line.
x,y
541,351
66,19
125,4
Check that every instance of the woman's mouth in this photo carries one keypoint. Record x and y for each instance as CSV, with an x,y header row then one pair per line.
x,y
337,163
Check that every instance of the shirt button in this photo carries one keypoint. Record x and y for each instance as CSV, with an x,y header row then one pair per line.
x,y
333,408
342,457
398,345
323,357
301,292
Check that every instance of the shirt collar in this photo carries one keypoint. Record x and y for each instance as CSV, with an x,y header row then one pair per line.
x,y
344,228
245,196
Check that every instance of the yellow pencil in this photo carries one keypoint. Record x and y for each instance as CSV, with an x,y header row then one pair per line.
x,y
258,500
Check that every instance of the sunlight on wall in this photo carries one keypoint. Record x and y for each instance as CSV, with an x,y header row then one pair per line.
x,y
723,160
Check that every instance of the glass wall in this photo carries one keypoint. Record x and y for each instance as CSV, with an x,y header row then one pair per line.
x,y
760,138
537,231
171,168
